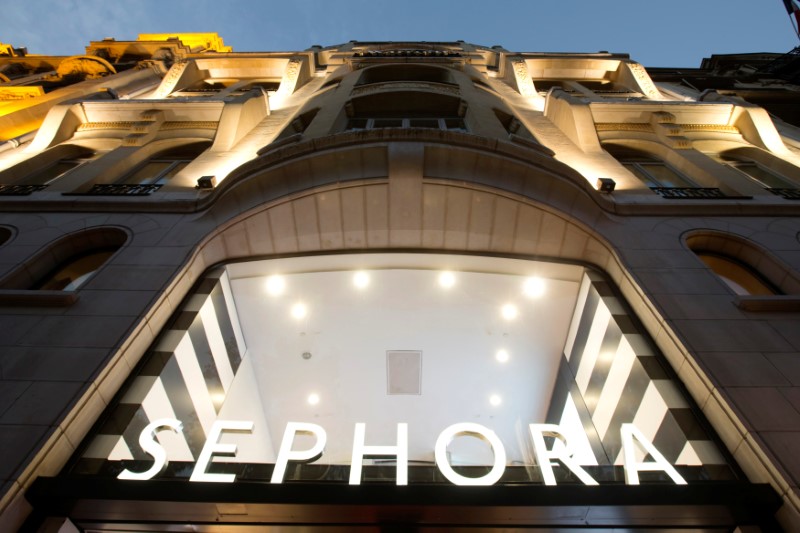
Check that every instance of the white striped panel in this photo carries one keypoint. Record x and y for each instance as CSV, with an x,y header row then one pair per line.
x,y
593,344
613,387
139,389
121,452
217,344
578,442
157,405
649,416
195,383
583,292
111,447
688,456
225,283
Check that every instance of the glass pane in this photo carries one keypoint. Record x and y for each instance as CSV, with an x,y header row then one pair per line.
x,y
424,123
455,124
48,174
357,124
665,176
150,172
737,276
763,176
75,272
387,123
643,176
169,174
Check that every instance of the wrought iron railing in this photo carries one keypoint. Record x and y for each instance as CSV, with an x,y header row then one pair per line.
x,y
789,194
20,190
122,189
690,193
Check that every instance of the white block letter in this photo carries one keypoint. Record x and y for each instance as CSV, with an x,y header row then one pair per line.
x,y
147,440
360,450
543,455
285,453
633,467
474,430
213,446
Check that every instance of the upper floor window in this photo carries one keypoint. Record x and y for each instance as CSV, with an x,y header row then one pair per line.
x,y
406,109
767,178
76,271
43,169
164,165
653,172
401,73
739,277
600,88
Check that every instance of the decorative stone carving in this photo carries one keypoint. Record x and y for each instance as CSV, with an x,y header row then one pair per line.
x,y
20,93
523,78
290,77
171,79
643,79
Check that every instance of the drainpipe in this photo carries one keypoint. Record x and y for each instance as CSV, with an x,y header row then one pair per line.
x,y
17,141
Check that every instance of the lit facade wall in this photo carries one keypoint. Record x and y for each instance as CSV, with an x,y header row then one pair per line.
x,y
175,155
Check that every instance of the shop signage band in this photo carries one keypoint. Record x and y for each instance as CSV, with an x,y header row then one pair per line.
x,y
630,436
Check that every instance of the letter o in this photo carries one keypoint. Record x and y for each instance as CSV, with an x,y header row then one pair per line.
x,y
476,430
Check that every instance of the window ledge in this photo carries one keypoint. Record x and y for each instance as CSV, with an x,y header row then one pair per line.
x,y
37,298
769,303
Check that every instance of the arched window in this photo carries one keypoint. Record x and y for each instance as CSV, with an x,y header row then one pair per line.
x,y
739,277
5,235
69,262
161,166
75,271
744,267
653,172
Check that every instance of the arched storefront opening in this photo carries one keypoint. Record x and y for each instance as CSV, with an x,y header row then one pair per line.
x,y
527,378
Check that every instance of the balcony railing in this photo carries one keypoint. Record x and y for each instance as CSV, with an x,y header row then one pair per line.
x,y
789,194
20,190
122,189
695,193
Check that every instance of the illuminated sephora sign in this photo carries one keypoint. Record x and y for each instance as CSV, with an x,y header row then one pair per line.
x,y
631,438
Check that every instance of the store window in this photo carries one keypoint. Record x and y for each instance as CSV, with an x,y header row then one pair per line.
x,y
456,361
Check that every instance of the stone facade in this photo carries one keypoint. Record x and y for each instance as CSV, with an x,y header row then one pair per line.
x,y
506,163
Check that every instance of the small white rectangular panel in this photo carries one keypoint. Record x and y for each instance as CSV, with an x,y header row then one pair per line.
x,y
403,372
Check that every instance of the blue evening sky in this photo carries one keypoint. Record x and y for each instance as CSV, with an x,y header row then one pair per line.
x,y
655,33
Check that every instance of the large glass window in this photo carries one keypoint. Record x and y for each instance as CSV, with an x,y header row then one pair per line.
x,y
303,351
75,272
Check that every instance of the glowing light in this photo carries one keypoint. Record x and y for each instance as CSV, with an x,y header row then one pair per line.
x,y
533,287
502,356
313,398
509,311
495,400
361,280
276,285
447,280
299,310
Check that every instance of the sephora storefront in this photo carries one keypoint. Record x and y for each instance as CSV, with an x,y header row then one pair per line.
x,y
384,390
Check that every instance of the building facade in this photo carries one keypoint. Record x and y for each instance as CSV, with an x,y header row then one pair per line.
x,y
386,284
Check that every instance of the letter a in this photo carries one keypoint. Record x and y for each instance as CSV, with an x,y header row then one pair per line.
x,y
633,467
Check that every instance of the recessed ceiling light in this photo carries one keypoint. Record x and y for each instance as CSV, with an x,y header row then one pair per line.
x,y
299,310
533,287
361,279
447,280
502,356
313,398
276,285
495,400
509,311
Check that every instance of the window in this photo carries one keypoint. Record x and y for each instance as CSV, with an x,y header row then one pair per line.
x,y
76,271
451,123
740,278
744,267
69,262
163,166
652,172
43,169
